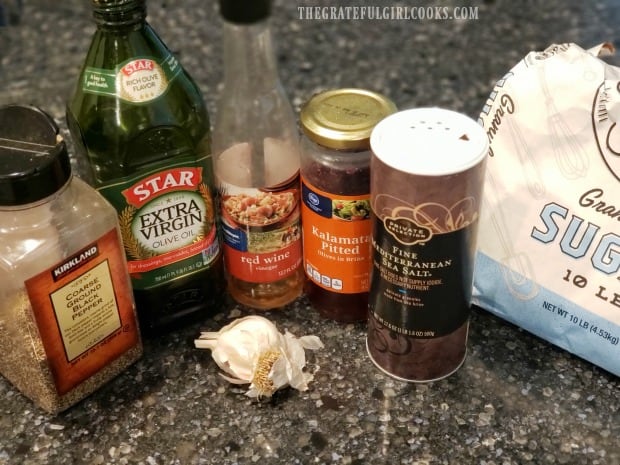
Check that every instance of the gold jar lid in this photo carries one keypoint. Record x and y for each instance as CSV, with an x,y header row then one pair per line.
x,y
343,119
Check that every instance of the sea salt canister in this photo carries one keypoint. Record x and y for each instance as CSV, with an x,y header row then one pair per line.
x,y
427,171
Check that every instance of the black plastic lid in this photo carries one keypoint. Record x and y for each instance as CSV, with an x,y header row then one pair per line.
x,y
34,162
118,12
245,11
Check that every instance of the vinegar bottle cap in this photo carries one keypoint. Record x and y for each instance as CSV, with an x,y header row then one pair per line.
x,y
245,11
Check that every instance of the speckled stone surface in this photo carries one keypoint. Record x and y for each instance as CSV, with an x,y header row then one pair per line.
x,y
517,400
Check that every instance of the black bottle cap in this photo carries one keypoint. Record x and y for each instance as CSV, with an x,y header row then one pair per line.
x,y
118,12
245,11
34,162
110,5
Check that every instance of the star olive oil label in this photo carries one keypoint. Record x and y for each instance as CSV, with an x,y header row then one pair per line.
x,y
138,80
168,223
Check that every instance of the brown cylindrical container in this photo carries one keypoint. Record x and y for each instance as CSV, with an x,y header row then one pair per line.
x,y
427,174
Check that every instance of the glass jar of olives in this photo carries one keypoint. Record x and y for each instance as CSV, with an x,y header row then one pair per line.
x,y
335,180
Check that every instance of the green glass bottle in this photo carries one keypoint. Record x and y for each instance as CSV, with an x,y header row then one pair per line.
x,y
142,124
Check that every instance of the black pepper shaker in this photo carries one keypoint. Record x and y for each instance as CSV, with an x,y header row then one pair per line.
x,y
67,320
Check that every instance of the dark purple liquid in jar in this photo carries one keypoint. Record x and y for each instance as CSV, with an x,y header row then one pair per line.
x,y
350,181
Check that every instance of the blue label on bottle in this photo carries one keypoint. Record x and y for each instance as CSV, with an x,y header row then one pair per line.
x,y
316,202
235,238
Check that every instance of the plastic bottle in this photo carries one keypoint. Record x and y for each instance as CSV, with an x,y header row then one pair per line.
x,y
67,319
256,156
143,125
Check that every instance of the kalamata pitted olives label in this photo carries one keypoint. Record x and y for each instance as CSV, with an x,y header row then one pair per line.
x,y
336,239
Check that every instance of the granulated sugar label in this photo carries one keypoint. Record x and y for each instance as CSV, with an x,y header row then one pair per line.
x,y
554,268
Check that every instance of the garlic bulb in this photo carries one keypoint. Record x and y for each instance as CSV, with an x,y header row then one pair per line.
x,y
251,350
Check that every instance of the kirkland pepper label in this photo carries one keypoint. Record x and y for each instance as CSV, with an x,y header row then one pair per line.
x,y
262,232
168,223
337,240
138,80
84,311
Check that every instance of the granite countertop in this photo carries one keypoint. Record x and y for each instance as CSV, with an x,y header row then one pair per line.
x,y
517,400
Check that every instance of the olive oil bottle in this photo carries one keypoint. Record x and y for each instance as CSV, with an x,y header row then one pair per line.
x,y
142,124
